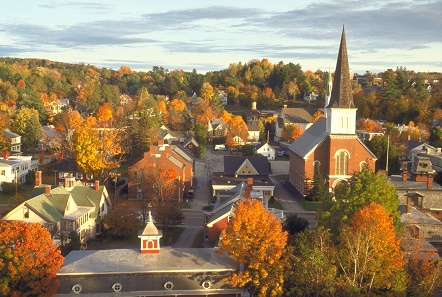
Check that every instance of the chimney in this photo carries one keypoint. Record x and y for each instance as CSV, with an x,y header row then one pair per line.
x,y
429,181
404,175
97,185
37,178
284,106
47,189
248,189
408,205
60,157
5,154
408,137
160,142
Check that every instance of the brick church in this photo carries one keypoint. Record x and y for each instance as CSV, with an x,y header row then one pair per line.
x,y
331,143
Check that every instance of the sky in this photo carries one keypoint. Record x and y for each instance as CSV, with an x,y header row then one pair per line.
x,y
210,35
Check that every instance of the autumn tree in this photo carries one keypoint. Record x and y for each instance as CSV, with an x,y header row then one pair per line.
x,y
28,260
26,124
97,151
368,125
238,132
5,142
207,92
424,269
312,267
104,114
362,189
369,257
202,112
254,238
175,114
291,132
65,124
379,145
317,115
121,222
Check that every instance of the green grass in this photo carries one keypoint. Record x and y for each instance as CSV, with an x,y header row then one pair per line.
x,y
309,205
198,242
24,190
170,236
276,205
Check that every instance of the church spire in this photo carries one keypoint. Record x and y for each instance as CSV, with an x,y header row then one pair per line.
x,y
341,96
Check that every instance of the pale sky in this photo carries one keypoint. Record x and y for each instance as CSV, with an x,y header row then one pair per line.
x,y
208,35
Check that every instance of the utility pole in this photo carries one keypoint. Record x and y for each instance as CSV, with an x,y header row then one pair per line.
x,y
388,148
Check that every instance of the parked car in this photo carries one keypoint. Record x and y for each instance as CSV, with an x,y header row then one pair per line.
x,y
220,147
190,194
280,153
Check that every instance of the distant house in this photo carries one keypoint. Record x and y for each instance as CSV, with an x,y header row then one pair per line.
x,y
174,157
254,132
302,117
238,169
192,145
15,139
310,96
265,150
15,168
71,207
170,136
222,97
217,218
216,128
125,99
57,106
367,135
50,138
67,168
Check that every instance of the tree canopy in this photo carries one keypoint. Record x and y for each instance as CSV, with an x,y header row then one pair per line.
x,y
28,260
254,238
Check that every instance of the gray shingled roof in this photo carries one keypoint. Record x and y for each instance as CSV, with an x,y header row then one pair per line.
x,y
310,139
232,164
298,115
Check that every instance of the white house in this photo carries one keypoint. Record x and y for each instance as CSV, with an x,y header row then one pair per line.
x,y
14,169
266,150
223,97
57,106
253,132
15,139
73,207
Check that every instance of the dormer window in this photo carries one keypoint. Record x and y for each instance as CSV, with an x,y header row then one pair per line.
x,y
26,213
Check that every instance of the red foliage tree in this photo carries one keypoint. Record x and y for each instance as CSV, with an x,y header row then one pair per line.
x,y
28,260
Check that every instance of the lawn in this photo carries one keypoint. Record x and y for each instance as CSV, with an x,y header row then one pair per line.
x,y
23,189
281,177
309,205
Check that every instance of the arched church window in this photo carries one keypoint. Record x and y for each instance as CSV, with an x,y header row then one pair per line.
x,y
342,157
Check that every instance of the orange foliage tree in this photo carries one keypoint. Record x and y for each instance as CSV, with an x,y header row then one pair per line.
x,y
122,221
28,260
370,258
238,132
226,116
318,114
254,238
368,125
104,113
202,112
291,132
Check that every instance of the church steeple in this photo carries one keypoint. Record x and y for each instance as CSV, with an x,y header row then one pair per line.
x,y
342,96
341,111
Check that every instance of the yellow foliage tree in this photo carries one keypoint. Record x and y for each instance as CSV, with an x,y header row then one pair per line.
x,y
291,132
207,91
97,150
254,238
226,116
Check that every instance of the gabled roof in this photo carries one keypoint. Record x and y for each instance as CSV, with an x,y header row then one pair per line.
x,y
45,208
342,95
262,144
253,127
310,139
66,165
183,153
233,163
298,115
192,140
8,133
225,207
150,229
